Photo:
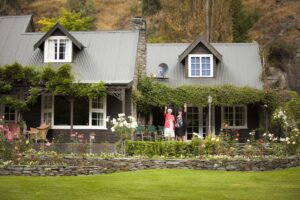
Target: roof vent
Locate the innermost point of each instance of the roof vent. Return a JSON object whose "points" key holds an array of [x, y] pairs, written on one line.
{"points": [[162, 70]]}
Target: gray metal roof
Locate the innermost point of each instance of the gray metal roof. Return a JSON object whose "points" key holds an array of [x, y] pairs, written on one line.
{"points": [[241, 65], [109, 56]]}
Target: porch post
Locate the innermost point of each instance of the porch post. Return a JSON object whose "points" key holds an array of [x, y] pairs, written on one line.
{"points": [[71, 114], [123, 100]]}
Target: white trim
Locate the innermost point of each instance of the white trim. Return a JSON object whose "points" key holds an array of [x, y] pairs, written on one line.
{"points": [[48, 56], [2, 113], [200, 56], [104, 110], [235, 127]]}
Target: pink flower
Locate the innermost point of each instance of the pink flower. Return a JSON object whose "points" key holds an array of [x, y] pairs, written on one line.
{"points": [[48, 144], [73, 135], [9, 136], [81, 140], [80, 136]]}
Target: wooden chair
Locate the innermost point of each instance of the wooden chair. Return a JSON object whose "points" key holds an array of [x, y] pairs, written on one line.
{"points": [[39, 133]]}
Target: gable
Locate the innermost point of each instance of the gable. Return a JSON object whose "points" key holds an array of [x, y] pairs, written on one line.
{"points": [[57, 30], [201, 46]]}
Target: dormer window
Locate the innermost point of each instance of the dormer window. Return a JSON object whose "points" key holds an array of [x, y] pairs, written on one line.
{"points": [[58, 49], [200, 65]]}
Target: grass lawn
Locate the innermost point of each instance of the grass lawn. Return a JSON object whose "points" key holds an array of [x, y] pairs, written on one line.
{"points": [[158, 184]]}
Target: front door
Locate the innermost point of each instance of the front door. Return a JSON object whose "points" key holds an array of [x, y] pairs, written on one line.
{"points": [[197, 121]]}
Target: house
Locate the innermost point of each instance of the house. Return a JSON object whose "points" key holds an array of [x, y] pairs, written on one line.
{"points": [[210, 64], [109, 56], [116, 57]]}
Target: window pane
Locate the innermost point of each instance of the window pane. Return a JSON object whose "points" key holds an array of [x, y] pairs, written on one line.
{"points": [[9, 113], [97, 103], [62, 49], [81, 112], [97, 119], [61, 111], [55, 49]]}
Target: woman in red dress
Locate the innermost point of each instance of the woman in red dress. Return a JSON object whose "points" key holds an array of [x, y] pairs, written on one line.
{"points": [[169, 132]]}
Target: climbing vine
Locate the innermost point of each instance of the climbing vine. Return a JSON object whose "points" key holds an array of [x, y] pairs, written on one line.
{"points": [[151, 93], [20, 85]]}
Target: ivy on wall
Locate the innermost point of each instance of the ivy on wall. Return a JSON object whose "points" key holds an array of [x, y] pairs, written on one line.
{"points": [[35, 81], [151, 93]]}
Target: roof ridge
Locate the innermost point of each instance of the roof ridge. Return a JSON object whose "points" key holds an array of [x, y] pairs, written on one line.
{"points": [[15, 16]]}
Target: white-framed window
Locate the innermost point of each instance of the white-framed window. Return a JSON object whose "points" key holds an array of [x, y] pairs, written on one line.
{"points": [[58, 49], [235, 116], [97, 112], [9, 113], [200, 65], [87, 114], [47, 109]]}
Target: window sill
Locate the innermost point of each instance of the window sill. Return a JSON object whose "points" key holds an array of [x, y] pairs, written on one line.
{"points": [[236, 127], [79, 127]]}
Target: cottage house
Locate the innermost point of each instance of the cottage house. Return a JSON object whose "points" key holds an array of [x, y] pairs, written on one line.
{"points": [[116, 57]]}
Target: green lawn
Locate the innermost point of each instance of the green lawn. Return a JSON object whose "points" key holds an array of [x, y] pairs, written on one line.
{"points": [[158, 184]]}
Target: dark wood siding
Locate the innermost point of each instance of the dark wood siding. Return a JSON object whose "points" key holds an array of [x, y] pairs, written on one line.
{"points": [[32, 117]]}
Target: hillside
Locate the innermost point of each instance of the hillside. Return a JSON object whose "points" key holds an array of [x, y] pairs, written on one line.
{"points": [[278, 23]]}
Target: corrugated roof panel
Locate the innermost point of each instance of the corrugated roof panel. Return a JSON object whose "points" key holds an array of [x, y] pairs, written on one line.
{"points": [[241, 65], [107, 55]]}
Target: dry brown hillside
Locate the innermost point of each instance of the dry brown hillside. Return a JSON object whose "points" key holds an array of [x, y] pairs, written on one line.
{"points": [[110, 14]]}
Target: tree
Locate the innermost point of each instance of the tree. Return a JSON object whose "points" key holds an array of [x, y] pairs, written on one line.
{"points": [[86, 8], [6, 6], [150, 7], [242, 21], [70, 20]]}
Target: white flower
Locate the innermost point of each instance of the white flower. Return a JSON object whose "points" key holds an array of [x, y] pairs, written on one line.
{"points": [[213, 139], [248, 140], [287, 139], [264, 134], [288, 142], [121, 115], [250, 133], [107, 118], [114, 121], [282, 139], [112, 129], [294, 142], [270, 135]]}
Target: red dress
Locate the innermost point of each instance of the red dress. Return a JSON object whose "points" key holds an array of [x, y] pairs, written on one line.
{"points": [[169, 121]]}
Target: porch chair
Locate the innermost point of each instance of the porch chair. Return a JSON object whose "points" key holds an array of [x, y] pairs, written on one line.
{"points": [[40, 132], [151, 131], [160, 132], [139, 132]]}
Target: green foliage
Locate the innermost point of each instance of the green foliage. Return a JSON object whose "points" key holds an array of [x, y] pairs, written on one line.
{"points": [[292, 108], [280, 50], [163, 148], [36, 81], [150, 7], [242, 21], [151, 93], [70, 20]]}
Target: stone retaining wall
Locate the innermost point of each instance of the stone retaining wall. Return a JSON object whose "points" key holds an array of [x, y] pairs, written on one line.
{"points": [[104, 166]]}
